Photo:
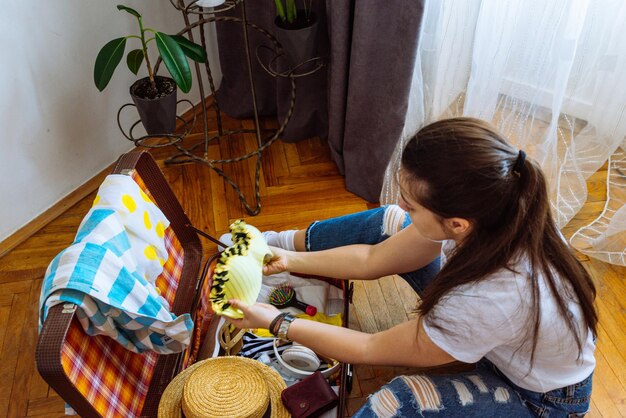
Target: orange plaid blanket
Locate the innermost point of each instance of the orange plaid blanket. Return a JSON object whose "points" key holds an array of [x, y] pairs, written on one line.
{"points": [[114, 380]]}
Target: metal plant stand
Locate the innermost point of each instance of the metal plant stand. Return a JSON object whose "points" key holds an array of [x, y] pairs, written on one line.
{"points": [[184, 155]]}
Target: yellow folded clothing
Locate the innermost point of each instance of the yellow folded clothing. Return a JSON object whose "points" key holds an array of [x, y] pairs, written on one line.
{"points": [[318, 317], [239, 270]]}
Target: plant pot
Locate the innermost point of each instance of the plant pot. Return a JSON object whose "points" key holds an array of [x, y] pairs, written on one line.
{"points": [[158, 114], [298, 39]]}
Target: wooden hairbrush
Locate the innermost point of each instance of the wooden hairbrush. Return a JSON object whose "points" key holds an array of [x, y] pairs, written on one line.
{"points": [[284, 296]]}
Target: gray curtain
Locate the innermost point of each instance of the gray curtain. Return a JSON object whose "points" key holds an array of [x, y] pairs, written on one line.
{"points": [[373, 49], [359, 103]]}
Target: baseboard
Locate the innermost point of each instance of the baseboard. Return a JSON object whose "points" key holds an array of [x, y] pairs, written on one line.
{"points": [[51, 214], [574, 106], [74, 197]]}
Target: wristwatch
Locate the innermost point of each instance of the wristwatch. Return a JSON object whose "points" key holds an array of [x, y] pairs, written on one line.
{"points": [[284, 327], [273, 328]]}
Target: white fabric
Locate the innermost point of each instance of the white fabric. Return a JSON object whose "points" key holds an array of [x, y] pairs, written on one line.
{"points": [[326, 298], [310, 291], [490, 319], [550, 76], [605, 238], [143, 222]]}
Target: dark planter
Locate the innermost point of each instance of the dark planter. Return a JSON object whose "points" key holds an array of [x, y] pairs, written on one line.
{"points": [[299, 39], [158, 114]]}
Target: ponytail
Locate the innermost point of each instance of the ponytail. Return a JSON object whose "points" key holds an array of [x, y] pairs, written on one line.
{"points": [[470, 171]]}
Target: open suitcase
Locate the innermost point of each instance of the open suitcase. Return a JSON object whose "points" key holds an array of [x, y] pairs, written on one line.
{"points": [[99, 378]]}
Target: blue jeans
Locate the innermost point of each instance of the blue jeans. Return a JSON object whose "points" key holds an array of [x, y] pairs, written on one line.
{"points": [[365, 228], [483, 392]]}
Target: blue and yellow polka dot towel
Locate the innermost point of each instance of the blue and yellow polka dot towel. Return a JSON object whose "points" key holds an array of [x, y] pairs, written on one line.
{"points": [[110, 270]]}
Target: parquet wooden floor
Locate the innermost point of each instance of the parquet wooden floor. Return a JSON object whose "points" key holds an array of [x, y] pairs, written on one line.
{"points": [[299, 184]]}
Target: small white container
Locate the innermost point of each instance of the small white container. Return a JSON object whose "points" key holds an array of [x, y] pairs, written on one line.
{"points": [[209, 3]]}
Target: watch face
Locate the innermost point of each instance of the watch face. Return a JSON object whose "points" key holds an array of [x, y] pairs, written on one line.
{"points": [[283, 328]]}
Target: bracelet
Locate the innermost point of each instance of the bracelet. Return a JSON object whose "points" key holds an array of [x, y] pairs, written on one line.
{"points": [[283, 328], [273, 328]]}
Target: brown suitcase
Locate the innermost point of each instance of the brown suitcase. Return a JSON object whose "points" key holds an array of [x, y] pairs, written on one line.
{"points": [[95, 375]]}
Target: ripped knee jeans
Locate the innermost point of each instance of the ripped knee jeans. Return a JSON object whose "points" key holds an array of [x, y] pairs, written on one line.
{"points": [[483, 392], [368, 227]]}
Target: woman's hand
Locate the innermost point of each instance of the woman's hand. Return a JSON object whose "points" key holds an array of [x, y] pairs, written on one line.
{"points": [[259, 315], [278, 263]]}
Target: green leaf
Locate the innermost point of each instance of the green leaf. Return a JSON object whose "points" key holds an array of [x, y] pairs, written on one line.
{"points": [[291, 11], [192, 50], [129, 10], [175, 60], [280, 10], [107, 61], [134, 60]]}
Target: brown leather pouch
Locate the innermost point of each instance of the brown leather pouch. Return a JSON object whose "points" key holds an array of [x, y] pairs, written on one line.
{"points": [[310, 397]]}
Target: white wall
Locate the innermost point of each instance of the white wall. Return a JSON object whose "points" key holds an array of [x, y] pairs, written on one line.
{"points": [[58, 130]]}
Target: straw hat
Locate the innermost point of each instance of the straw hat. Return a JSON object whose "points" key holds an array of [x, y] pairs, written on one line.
{"points": [[233, 387]]}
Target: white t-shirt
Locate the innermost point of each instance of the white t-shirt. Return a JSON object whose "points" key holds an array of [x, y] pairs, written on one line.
{"points": [[490, 319]]}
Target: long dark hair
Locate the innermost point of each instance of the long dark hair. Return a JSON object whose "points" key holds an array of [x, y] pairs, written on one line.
{"points": [[463, 167]]}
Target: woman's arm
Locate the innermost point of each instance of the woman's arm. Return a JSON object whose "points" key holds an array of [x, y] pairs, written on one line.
{"points": [[403, 345], [403, 252], [406, 344]]}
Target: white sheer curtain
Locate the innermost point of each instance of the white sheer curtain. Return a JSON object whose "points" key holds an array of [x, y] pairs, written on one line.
{"points": [[551, 75]]}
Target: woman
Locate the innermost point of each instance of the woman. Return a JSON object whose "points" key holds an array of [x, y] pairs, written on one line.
{"points": [[510, 296]]}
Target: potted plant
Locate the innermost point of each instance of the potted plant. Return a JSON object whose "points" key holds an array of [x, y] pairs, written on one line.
{"points": [[154, 96], [296, 30]]}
